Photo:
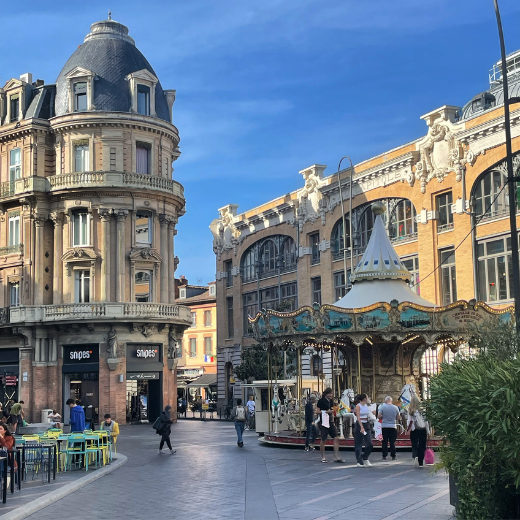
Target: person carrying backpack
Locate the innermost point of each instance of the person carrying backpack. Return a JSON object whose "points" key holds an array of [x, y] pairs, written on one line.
{"points": [[240, 414], [419, 429], [162, 426]]}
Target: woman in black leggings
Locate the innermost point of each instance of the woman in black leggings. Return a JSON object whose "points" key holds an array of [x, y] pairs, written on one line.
{"points": [[165, 430]]}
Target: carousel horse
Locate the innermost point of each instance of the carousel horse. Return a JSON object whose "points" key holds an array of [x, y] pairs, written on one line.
{"points": [[345, 412], [406, 396], [277, 407]]}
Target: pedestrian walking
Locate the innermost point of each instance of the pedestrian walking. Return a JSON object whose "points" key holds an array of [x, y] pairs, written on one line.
{"points": [[419, 429], [164, 429], [328, 428], [311, 430], [362, 432], [240, 414], [389, 415]]}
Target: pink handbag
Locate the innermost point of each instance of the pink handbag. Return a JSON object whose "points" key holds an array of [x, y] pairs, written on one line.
{"points": [[429, 457]]}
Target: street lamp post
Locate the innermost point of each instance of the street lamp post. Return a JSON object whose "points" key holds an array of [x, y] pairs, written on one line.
{"points": [[511, 179], [344, 222]]}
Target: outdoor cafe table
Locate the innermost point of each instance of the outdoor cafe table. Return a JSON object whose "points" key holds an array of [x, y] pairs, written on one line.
{"points": [[61, 439], [52, 450]]}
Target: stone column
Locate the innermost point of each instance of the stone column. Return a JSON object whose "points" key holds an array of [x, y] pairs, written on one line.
{"points": [[39, 222], [57, 270], [164, 221], [105, 216], [120, 255], [171, 262]]}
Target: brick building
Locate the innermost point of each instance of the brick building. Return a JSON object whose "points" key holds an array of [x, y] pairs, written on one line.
{"points": [[88, 209], [446, 213]]}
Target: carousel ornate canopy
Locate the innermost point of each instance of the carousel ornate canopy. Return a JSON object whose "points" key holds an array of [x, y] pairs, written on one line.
{"points": [[378, 332]]}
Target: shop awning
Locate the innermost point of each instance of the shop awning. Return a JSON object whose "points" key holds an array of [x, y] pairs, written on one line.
{"points": [[204, 381]]}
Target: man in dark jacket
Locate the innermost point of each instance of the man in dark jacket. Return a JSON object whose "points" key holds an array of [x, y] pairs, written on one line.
{"points": [[164, 430], [312, 431]]}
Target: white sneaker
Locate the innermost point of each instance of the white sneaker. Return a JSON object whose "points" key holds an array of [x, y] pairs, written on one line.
{"points": [[416, 462], [367, 463], [360, 465]]}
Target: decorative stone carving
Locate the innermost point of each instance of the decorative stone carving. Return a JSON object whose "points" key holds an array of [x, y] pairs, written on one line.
{"points": [[80, 254], [310, 205], [147, 330], [226, 236], [112, 359]]}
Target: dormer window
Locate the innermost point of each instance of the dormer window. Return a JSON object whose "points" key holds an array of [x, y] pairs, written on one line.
{"points": [[80, 96], [15, 108], [143, 100]]}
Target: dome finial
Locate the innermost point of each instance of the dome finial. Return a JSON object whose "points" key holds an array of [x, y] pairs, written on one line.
{"points": [[109, 14]]}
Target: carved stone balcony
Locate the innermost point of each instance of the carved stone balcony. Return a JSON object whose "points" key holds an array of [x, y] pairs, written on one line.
{"points": [[74, 312]]}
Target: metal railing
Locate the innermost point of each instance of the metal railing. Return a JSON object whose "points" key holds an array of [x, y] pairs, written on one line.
{"points": [[403, 238], [7, 189]]}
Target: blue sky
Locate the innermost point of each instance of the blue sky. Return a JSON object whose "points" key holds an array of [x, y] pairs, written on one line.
{"points": [[265, 89]]}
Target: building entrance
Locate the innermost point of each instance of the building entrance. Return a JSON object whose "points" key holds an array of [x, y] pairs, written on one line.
{"points": [[143, 400], [83, 387]]}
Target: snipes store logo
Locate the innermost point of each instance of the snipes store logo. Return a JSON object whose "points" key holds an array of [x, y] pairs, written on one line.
{"points": [[80, 354], [148, 353]]}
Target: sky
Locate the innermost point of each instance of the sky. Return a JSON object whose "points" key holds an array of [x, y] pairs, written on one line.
{"points": [[266, 89]]}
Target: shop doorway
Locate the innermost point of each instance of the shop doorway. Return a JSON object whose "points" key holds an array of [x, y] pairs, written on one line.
{"points": [[83, 387], [143, 400]]}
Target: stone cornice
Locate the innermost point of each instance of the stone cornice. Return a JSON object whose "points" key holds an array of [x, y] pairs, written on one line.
{"points": [[24, 127]]}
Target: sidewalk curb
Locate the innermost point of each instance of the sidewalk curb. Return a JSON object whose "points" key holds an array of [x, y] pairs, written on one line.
{"points": [[53, 496]]}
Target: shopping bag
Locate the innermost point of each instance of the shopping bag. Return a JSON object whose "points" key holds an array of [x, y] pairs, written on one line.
{"points": [[429, 457], [378, 431]]}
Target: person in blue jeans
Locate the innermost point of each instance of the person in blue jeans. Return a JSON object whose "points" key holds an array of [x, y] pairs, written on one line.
{"points": [[311, 430], [240, 414]]}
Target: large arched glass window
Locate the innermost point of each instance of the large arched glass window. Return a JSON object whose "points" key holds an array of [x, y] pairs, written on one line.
{"points": [[248, 265], [288, 254], [337, 238], [402, 221], [486, 190], [268, 256], [366, 224]]}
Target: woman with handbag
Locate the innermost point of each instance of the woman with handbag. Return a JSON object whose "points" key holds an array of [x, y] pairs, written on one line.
{"points": [[418, 429]]}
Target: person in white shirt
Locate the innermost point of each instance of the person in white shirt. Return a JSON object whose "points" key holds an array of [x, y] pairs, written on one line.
{"points": [[251, 405]]}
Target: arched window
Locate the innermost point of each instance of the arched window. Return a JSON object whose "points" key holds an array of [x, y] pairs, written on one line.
{"points": [[366, 224], [486, 190], [336, 238], [248, 265], [402, 221], [288, 254], [268, 257]]}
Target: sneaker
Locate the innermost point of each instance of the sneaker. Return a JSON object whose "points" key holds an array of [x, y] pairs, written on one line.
{"points": [[384, 459], [367, 463], [240, 444], [394, 459], [160, 451], [416, 462], [360, 465], [173, 452], [307, 448]]}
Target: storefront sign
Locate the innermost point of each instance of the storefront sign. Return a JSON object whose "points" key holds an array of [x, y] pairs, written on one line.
{"points": [[144, 375], [147, 353], [80, 354], [144, 353]]}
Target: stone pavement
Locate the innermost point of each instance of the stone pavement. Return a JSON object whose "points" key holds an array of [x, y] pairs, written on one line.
{"points": [[210, 478]]}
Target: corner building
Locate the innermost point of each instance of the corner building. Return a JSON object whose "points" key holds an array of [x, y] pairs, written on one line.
{"points": [[88, 209], [447, 214]]}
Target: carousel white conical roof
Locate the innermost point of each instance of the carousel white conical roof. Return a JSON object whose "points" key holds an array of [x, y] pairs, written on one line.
{"points": [[380, 276]]}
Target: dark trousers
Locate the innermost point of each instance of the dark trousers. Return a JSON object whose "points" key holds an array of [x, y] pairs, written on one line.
{"points": [[312, 433], [165, 438], [389, 435], [418, 439], [361, 439]]}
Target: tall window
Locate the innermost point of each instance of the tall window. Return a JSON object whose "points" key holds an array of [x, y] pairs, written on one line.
{"points": [[143, 227], [142, 157], [316, 290], [80, 228], [14, 294], [495, 270], [248, 266], [337, 239], [143, 286], [14, 229], [208, 347], [82, 286], [314, 243], [15, 108], [250, 308], [193, 347], [80, 96], [228, 268], [288, 254], [207, 318], [289, 296], [412, 264], [230, 322], [81, 158], [15, 164], [268, 257], [448, 276], [444, 203], [193, 319], [402, 221], [366, 224], [143, 100], [487, 190], [339, 284]]}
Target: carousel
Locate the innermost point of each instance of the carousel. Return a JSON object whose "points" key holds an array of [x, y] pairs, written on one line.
{"points": [[384, 340]]}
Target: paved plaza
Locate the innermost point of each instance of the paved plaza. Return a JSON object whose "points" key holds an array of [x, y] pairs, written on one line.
{"points": [[210, 478]]}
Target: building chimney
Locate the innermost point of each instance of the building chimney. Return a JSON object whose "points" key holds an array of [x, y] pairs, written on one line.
{"points": [[27, 77]]}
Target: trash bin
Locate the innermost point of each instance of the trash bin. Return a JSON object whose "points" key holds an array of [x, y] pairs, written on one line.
{"points": [[45, 414]]}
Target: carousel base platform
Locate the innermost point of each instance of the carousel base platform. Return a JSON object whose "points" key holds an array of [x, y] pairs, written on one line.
{"points": [[291, 439]]}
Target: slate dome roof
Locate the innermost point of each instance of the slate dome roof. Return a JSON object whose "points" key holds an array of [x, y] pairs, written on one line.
{"points": [[110, 53]]}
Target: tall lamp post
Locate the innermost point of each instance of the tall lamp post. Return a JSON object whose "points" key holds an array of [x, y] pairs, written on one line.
{"points": [[511, 179], [344, 222]]}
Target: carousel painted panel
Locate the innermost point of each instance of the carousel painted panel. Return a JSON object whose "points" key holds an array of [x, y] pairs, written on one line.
{"points": [[336, 320], [414, 319], [377, 319], [461, 315]]}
